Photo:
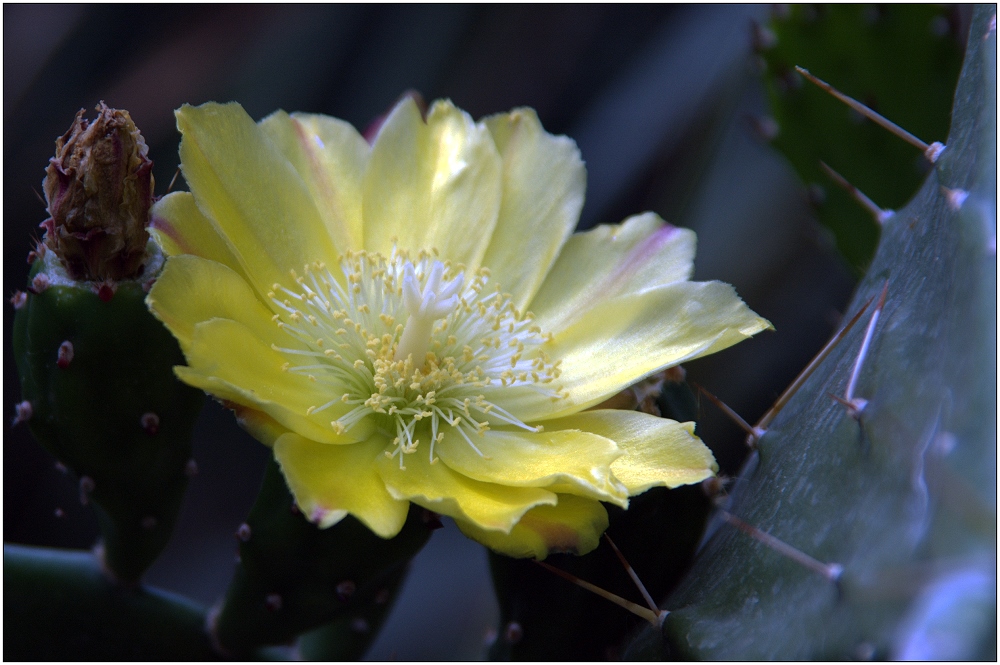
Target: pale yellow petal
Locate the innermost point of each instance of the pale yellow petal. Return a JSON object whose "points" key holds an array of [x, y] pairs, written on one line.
{"points": [[329, 482], [568, 461], [641, 253], [228, 360], [543, 187], [330, 156], [433, 184], [622, 340], [179, 227], [192, 289], [574, 526], [438, 488], [254, 196], [258, 424], [658, 451]]}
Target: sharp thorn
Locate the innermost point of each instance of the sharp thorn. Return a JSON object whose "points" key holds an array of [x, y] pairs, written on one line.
{"points": [[881, 215], [632, 574], [753, 433], [863, 352], [173, 180], [654, 618], [931, 152], [830, 571], [779, 404]]}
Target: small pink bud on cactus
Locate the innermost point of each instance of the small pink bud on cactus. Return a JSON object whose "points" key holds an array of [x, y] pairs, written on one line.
{"points": [[150, 422], [273, 602], [65, 354], [22, 412], [345, 590], [243, 533], [99, 188]]}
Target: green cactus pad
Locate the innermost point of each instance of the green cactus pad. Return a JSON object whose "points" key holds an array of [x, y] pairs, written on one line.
{"points": [[98, 375], [61, 607], [904, 497], [897, 59], [293, 577]]}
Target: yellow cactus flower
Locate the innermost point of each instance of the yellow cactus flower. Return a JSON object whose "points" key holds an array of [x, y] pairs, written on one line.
{"points": [[413, 320]]}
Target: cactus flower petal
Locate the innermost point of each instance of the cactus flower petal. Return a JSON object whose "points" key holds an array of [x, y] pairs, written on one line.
{"points": [[330, 156], [543, 187], [256, 199], [619, 340], [639, 254], [376, 298], [574, 525], [568, 461], [192, 289], [329, 482], [446, 184], [491, 506], [658, 452], [179, 227], [226, 359]]}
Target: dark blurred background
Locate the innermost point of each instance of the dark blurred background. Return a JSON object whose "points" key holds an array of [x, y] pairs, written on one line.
{"points": [[662, 100]]}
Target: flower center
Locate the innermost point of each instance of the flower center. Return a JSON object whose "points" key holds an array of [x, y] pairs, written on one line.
{"points": [[419, 345]]}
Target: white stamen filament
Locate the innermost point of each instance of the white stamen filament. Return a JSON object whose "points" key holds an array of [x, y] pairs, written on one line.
{"points": [[413, 344]]}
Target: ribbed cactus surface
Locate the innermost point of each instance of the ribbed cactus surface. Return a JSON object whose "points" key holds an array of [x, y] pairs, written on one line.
{"points": [[901, 496]]}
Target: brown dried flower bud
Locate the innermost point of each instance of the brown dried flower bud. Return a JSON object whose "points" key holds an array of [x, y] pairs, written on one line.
{"points": [[99, 188]]}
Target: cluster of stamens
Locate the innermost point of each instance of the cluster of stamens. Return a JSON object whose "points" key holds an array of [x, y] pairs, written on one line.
{"points": [[419, 345]]}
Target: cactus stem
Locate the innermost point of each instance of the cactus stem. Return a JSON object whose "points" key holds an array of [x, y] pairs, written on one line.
{"points": [[654, 618], [22, 413], [813, 364], [931, 152], [345, 590], [855, 406], [754, 434], [881, 215], [631, 573], [86, 487], [243, 533], [65, 354], [831, 571]]}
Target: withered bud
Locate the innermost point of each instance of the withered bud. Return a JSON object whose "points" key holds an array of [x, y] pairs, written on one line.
{"points": [[99, 188]]}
